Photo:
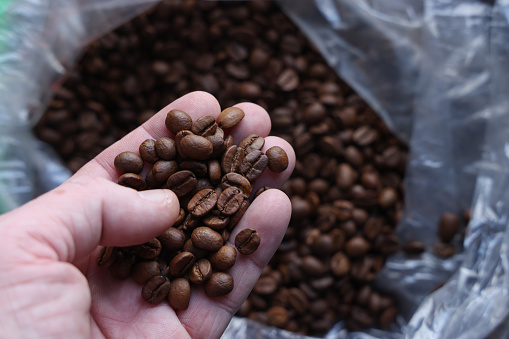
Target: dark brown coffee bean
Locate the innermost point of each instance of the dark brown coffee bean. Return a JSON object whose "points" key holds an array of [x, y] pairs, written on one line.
{"points": [[151, 182], [312, 266], [128, 162], [298, 300], [181, 263], [219, 284], [202, 202], [372, 228], [143, 271], [190, 223], [278, 316], [236, 180], [364, 136], [225, 233], [216, 220], [205, 126], [150, 249], [387, 197], [177, 121], [166, 148], [388, 317], [342, 209], [133, 181], [357, 246], [232, 159], [224, 258], [196, 147], [214, 171], [156, 289], [288, 80], [230, 200], [179, 294], [230, 117], [235, 218], [278, 159], [121, 267], [353, 156], [148, 151], [261, 190], [163, 169], [340, 264], [178, 141], [253, 165], [172, 239], [228, 141], [201, 272], [253, 142], [314, 113], [182, 182], [198, 252], [207, 239], [444, 250], [448, 226], [247, 241], [414, 247], [218, 143], [345, 176], [107, 256]]}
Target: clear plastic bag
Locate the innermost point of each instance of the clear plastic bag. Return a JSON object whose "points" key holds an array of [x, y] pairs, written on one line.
{"points": [[434, 70]]}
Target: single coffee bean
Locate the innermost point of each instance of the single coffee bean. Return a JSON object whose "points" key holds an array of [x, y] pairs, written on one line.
{"points": [[182, 182], [179, 294], [340, 264], [236, 180], [288, 80], [166, 148], [207, 239], [150, 249], [177, 121], [235, 218], [365, 135], [277, 159], [214, 171], [190, 223], [107, 256], [143, 271], [228, 141], [448, 226], [219, 284], [156, 289], [372, 228], [205, 126], [230, 200], [178, 141], [230, 117], [414, 247], [202, 202], [121, 267], [357, 246], [312, 266], [388, 317], [216, 220], [225, 233], [148, 151], [224, 258], [253, 165], [298, 300], [278, 316], [151, 182], [180, 218], [342, 209], [345, 176], [261, 190], [181, 263], [253, 142], [196, 147], [163, 169], [201, 272], [197, 252], [218, 143], [128, 162], [387, 197], [247, 241], [232, 159], [266, 285], [172, 239], [444, 250], [371, 179], [133, 181]]}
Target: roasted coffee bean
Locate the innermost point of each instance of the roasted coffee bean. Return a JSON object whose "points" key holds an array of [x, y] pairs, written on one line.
{"points": [[202, 203], [372, 228], [219, 284], [128, 162], [214, 171], [190, 223], [342, 209], [236, 180], [253, 142], [196, 147], [253, 165], [387, 197], [357, 246], [298, 300], [216, 220], [444, 250], [107, 256], [197, 252], [235, 218], [207, 239], [143, 271], [179, 294], [340, 264], [345, 176], [201, 272], [230, 200], [247, 241], [163, 169], [156, 289], [218, 143], [181, 263], [277, 159], [148, 151], [172, 239], [177, 121], [224, 258], [199, 168], [278, 316], [288, 80], [178, 140], [133, 181], [182, 182], [414, 247], [166, 148], [448, 226], [151, 182], [205, 126], [150, 249], [364, 136], [232, 159], [387, 317], [121, 267], [261, 190], [230, 117]]}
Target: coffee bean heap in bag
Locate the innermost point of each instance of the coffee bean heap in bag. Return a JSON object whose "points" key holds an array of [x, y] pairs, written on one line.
{"points": [[213, 179]]}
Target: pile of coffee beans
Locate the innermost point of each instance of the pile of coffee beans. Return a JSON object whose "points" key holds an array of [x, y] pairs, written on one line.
{"points": [[346, 190], [213, 179]]}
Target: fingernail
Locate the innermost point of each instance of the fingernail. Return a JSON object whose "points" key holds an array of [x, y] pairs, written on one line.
{"points": [[154, 195]]}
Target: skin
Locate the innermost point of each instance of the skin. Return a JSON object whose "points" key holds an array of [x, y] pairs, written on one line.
{"points": [[50, 283]]}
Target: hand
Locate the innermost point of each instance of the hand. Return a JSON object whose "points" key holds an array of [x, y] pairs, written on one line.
{"points": [[50, 285]]}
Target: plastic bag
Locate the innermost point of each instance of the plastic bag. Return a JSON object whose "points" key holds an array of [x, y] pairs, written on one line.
{"points": [[433, 69]]}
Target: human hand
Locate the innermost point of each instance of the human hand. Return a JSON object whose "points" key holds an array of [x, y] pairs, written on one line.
{"points": [[50, 285]]}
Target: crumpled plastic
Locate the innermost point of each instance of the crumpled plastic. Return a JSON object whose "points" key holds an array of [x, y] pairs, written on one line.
{"points": [[435, 70]]}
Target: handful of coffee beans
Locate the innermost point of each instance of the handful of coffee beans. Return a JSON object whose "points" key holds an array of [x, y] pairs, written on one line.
{"points": [[213, 179]]}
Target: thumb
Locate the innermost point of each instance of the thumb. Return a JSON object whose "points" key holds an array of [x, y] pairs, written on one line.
{"points": [[69, 222]]}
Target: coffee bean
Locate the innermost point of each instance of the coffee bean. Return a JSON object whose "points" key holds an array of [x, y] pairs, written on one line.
{"points": [[278, 316], [247, 241], [163, 169], [121, 267], [364, 136], [172, 239], [235, 218], [216, 220], [387, 317], [387, 197], [224, 258], [148, 151], [251, 143], [196, 147], [277, 159], [107, 256], [230, 117], [219, 284], [201, 272], [128, 162], [357, 246], [181, 263], [214, 171], [345, 176], [342, 209], [444, 250], [448, 226], [156, 289], [298, 300], [372, 228], [261, 190], [182, 182], [179, 294], [288, 80], [197, 252], [230, 200], [340, 264], [312, 266], [236, 180], [202, 203], [414, 247], [205, 126], [207, 239], [218, 143], [166, 148], [145, 270], [150, 249], [133, 181], [177, 121], [232, 159], [178, 141], [253, 165]]}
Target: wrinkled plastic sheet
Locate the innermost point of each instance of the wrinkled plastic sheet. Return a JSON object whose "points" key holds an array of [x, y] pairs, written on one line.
{"points": [[435, 70]]}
